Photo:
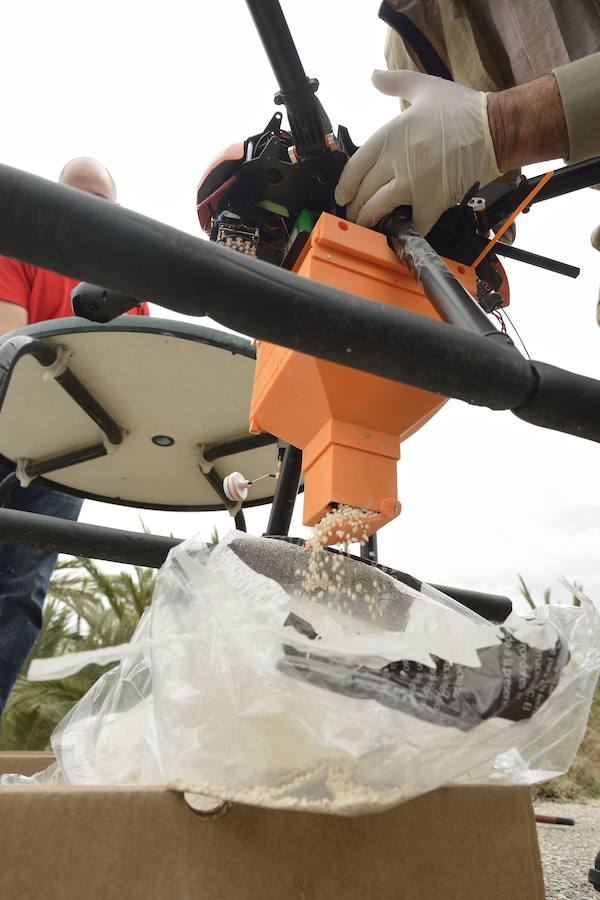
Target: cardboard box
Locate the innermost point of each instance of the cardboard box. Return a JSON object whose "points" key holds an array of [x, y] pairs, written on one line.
{"points": [[27, 762], [145, 843]]}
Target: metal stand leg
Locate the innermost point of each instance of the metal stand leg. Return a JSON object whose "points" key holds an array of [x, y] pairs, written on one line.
{"points": [[6, 486], [369, 550], [240, 521], [285, 492], [47, 466]]}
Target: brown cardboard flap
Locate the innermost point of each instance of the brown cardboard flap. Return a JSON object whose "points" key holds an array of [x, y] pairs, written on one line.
{"points": [[457, 843], [26, 762]]}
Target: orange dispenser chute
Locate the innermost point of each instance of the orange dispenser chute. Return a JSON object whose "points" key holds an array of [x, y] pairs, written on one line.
{"points": [[348, 424]]}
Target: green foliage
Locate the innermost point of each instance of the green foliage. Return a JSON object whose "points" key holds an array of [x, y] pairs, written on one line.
{"points": [[86, 608], [582, 781], [527, 596]]}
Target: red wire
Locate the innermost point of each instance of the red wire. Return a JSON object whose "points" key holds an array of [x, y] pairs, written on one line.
{"points": [[500, 318]]}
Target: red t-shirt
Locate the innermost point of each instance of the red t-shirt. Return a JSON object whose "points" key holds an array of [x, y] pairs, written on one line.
{"points": [[44, 294]]}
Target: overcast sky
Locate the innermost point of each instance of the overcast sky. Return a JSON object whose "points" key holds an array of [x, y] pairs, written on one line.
{"points": [[154, 91]]}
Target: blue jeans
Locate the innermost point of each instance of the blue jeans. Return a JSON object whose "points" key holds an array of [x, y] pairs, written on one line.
{"points": [[24, 577]]}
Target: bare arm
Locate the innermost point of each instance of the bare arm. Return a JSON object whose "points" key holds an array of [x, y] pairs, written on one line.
{"points": [[12, 316], [527, 124]]}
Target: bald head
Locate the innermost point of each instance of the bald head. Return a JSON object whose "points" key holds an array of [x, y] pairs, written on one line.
{"points": [[89, 175]]}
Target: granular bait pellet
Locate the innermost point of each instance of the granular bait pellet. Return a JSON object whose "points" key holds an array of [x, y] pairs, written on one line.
{"points": [[322, 579]]}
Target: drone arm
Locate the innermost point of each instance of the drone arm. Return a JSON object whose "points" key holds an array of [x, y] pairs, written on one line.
{"points": [[308, 121]]}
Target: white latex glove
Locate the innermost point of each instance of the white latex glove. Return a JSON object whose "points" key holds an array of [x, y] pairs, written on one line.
{"points": [[427, 157]]}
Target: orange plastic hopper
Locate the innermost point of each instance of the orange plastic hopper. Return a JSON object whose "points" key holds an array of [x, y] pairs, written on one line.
{"points": [[348, 424]]}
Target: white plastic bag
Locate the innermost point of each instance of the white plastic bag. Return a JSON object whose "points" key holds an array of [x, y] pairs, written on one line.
{"points": [[244, 691]]}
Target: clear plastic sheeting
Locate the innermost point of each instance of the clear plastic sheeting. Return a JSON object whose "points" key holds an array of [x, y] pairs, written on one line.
{"points": [[370, 694]]}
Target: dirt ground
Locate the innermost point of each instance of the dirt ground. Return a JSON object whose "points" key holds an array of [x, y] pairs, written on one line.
{"points": [[568, 852]]}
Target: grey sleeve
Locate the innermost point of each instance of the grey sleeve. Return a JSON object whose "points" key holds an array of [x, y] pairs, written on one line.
{"points": [[579, 86]]}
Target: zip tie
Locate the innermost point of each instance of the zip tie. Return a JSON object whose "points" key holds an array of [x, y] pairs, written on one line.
{"points": [[60, 364], [21, 472]]}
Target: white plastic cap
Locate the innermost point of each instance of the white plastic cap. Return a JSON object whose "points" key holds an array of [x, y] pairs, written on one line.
{"points": [[235, 487]]}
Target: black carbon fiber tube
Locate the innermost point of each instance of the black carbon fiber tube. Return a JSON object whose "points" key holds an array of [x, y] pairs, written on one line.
{"points": [[65, 460], [490, 606], [237, 445], [79, 539], [278, 43], [535, 259], [286, 492], [138, 549], [564, 401], [565, 180], [69, 231], [87, 238], [309, 122], [447, 295]]}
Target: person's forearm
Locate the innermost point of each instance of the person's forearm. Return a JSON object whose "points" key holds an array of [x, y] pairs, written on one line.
{"points": [[12, 316], [527, 124]]}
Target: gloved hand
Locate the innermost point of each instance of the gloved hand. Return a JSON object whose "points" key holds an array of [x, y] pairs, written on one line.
{"points": [[427, 157]]}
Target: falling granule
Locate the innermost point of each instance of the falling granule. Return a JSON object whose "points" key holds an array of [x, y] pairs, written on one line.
{"points": [[322, 576]]}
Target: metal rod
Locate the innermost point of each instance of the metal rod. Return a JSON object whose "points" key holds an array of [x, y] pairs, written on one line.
{"points": [[239, 444], [308, 121], [9, 482], [503, 198], [495, 607], [566, 180], [554, 820], [11, 351], [65, 460], [285, 492], [491, 606], [74, 233], [46, 355], [216, 484], [79, 539], [368, 550], [278, 43], [534, 259], [138, 549], [240, 521], [82, 397]]}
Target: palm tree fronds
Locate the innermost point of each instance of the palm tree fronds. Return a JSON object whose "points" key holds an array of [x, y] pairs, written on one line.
{"points": [[85, 608]]}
